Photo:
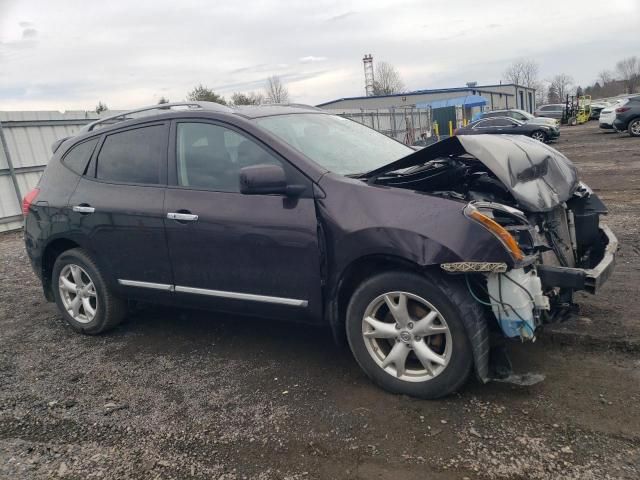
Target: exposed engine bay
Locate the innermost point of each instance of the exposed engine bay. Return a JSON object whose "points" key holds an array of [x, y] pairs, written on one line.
{"points": [[532, 191]]}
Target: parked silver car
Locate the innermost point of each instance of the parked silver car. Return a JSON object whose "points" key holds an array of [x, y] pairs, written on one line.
{"points": [[552, 110], [522, 116]]}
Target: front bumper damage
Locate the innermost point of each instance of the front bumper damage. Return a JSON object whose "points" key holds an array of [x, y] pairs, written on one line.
{"points": [[588, 279], [520, 297]]}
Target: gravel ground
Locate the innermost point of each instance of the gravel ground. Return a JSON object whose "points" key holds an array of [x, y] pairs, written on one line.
{"points": [[185, 394]]}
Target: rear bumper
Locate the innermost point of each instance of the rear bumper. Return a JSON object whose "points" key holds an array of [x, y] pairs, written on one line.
{"points": [[620, 125], [588, 279]]}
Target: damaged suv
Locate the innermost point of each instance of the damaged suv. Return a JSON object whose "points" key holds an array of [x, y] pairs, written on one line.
{"points": [[424, 261]]}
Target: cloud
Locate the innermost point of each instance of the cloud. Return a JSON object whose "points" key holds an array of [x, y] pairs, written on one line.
{"points": [[311, 59], [341, 16], [29, 33], [132, 53], [261, 68]]}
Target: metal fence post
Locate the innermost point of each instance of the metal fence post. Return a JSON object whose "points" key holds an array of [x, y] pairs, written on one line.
{"points": [[12, 172]]}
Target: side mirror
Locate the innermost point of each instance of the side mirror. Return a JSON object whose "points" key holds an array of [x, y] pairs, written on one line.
{"points": [[267, 179], [262, 179]]}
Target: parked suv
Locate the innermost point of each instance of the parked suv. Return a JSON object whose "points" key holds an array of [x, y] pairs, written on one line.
{"points": [[628, 117], [425, 261], [553, 110]]}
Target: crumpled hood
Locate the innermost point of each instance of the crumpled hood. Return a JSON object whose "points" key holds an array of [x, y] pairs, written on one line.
{"points": [[538, 176]]}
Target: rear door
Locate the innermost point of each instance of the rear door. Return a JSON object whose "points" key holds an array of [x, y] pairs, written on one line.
{"points": [[118, 207], [251, 254], [504, 125], [484, 126]]}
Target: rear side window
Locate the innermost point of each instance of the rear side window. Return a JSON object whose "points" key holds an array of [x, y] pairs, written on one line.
{"points": [[78, 156], [483, 124], [502, 122], [133, 156]]}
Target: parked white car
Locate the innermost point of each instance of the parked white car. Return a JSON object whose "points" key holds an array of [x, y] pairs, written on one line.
{"points": [[608, 115]]}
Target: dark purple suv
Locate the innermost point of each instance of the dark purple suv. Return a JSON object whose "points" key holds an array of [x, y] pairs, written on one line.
{"points": [[425, 261]]}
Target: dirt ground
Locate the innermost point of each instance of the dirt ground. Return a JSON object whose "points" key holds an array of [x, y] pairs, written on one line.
{"points": [[183, 394]]}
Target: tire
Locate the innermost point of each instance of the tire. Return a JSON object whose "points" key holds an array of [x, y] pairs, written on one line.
{"points": [[96, 308], [634, 127], [445, 300], [539, 135]]}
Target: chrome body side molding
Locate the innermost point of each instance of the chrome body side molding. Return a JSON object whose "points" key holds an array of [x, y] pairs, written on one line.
{"points": [[251, 297], [155, 286]]}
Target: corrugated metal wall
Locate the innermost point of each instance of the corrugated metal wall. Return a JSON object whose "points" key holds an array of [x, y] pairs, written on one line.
{"points": [[25, 149]]}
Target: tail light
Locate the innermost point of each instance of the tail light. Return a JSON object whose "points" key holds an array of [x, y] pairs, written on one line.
{"points": [[622, 109], [28, 199]]}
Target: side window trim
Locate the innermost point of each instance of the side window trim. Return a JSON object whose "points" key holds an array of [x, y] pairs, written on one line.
{"points": [[172, 174], [162, 174]]}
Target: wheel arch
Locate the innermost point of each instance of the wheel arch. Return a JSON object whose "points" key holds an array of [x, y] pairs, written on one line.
{"points": [[49, 255], [475, 321], [354, 274]]}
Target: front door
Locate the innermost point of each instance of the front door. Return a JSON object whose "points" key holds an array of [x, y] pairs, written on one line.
{"points": [[251, 254], [118, 207]]}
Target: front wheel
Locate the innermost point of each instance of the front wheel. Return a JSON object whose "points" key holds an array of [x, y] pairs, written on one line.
{"points": [[634, 127], [539, 135], [406, 333]]}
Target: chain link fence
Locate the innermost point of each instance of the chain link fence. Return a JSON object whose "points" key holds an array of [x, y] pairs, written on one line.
{"points": [[405, 124]]}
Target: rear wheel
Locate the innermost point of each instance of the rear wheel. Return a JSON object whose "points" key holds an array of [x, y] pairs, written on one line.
{"points": [[83, 297], [407, 335], [634, 127], [539, 135]]}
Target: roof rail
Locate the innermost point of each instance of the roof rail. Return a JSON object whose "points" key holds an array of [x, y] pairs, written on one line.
{"points": [[293, 105], [121, 117]]}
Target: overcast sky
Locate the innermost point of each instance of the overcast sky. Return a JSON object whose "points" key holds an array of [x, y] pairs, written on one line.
{"points": [[68, 55]]}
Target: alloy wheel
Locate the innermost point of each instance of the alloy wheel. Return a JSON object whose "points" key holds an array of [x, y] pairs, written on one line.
{"points": [[78, 293], [407, 336], [635, 127], [538, 136]]}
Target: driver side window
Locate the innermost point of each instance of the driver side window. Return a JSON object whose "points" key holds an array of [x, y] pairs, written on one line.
{"points": [[210, 156]]}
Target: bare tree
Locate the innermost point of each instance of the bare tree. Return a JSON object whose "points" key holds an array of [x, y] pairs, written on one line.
{"points": [[276, 91], [387, 80], [250, 98], [629, 71], [541, 93], [605, 76], [523, 72], [561, 86]]}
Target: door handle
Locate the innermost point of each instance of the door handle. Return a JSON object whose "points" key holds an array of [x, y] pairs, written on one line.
{"points": [[83, 209], [182, 217]]}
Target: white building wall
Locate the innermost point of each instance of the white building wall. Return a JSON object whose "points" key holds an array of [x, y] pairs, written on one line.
{"points": [[497, 96]]}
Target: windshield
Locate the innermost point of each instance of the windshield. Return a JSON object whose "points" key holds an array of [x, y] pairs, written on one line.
{"points": [[337, 144], [523, 115]]}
